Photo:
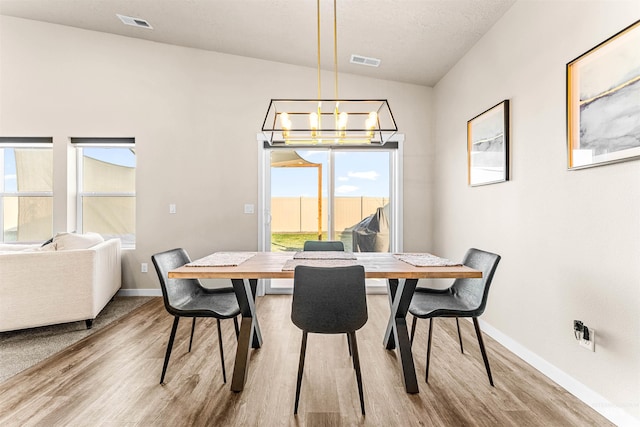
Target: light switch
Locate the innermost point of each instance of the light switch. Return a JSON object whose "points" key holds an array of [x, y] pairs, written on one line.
{"points": [[248, 208], [172, 208]]}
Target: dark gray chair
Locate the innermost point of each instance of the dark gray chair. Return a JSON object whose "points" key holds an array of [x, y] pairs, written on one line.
{"points": [[329, 300], [465, 298], [188, 298], [323, 245], [327, 246]]}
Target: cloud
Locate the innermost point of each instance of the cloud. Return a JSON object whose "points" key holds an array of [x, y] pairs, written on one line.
{"points": [[342, 189], [343, 178], [370, 175]]}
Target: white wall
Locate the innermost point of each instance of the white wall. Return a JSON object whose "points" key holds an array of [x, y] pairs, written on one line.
{"points": [[570, 240], [194, 115]]}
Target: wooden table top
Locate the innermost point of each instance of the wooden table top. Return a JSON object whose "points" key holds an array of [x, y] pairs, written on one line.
{"points": [[268, 265]]}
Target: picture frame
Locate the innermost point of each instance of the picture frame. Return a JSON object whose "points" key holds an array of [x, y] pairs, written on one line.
{"points": [[603, 102], [488, 146]]}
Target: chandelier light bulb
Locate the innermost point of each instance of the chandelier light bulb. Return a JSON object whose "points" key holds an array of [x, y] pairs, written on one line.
{"points": [[313, 123], [342, 121], [371, 121], [286, 124]]}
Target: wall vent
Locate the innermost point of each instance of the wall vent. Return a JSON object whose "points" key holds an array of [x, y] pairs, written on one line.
{"points": [[136, 22], [363, 60]]}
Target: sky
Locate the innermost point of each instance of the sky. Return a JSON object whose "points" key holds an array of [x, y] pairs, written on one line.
{"points": [[357, 174]]}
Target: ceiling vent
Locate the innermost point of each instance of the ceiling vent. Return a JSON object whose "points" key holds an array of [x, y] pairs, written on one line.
{"points": [[135, 22], [363, 60]]}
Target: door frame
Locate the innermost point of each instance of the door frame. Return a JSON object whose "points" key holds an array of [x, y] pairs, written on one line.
{"points": [[264, 198]]}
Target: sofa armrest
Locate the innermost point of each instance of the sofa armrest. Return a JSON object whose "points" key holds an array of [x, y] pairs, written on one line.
{"points": [[107, 272]]}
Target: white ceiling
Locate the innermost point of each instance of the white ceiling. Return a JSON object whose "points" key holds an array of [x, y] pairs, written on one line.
{"points": [[418, 41]]}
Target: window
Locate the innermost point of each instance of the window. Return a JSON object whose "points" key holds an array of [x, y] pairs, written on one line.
{"points": [[107, 187], [26, 189]]}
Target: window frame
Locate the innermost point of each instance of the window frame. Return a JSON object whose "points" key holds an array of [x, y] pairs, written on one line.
{"points": [[80, 144]]}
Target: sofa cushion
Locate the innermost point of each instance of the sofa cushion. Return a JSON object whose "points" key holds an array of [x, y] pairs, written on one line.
{"points": [[69, 241]]}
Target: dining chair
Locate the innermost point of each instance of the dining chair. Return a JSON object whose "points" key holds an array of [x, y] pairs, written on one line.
{"points": [[188, 298], [323, 245], [329, 300], [328, 246], [464, 298]]}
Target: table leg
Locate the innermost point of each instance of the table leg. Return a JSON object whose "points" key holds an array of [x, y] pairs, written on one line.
{"points": [[257, 337], [249, 331], [389, 341], [397, 331]]}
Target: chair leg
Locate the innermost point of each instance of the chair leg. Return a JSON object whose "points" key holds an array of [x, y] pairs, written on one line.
{"points": [[224, 372], [356, 366], [169, 347], [426, 376], [235, 325], [482, 350], [303, 351], [193, 328], [413, 329], [349, 344], [459, 335]]}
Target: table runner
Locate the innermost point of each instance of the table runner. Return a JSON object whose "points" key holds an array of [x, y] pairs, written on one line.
{"points": [[324, 255], [425, 260], [291, 264], [222, 259]]}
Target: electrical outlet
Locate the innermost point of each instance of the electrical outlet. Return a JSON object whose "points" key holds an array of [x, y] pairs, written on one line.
{"points": [[144, 268], [589, 344]]}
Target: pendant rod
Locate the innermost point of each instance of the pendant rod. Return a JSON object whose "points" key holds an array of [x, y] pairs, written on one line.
{"points": [[319, 79], [335, 46]]}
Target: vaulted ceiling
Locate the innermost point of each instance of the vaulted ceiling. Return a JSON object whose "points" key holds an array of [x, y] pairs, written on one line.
{"points": [[417, 41]]}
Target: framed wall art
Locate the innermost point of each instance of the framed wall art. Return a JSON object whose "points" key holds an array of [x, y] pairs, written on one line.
{"points": [[603, 102], [488, 146]]}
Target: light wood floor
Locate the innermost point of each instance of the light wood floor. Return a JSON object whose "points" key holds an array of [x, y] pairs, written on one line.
{"points": [[111, 379]]}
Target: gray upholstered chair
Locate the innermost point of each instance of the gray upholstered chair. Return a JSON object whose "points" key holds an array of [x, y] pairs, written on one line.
{"points": [[329, 300], [188, 298], [323, 245], [327, 246], [465, 298]]}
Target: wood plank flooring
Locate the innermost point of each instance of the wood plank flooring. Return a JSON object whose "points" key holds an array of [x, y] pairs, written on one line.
{"points": [[111, 379]]}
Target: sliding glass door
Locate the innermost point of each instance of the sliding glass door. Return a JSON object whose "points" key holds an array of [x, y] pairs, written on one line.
{"points": [[346, 194]]}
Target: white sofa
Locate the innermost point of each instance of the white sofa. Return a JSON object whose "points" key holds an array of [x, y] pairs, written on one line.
{"points": [[40, 286]]}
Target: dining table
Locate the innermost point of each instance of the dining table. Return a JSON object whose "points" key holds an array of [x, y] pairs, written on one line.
{"points": [[245, 268]]}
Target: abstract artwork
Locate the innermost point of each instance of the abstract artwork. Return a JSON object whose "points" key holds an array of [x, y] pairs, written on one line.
{"points": [[603, 102], [488, 146]]}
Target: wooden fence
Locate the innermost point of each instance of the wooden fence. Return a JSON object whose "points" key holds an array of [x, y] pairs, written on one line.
{"points": [[300, 214]]}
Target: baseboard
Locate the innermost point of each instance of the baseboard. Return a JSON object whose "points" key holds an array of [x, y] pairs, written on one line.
{"points": [[139, 293], [613, 413]]}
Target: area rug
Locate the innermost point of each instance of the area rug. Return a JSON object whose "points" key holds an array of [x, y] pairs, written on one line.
{"points": [[22, 349]]}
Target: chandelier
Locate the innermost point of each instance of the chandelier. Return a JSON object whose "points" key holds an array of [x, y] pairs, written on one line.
{"points": [[328, 121]]}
